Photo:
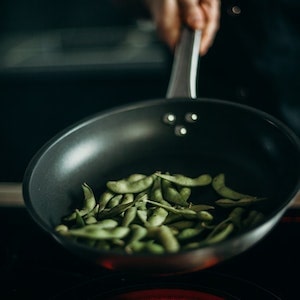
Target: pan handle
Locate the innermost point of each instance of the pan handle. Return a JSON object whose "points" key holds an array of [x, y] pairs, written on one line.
{"points": [[184, 70]]}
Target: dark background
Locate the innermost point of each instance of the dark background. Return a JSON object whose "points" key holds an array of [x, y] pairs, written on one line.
{"points": [[61, 61]]}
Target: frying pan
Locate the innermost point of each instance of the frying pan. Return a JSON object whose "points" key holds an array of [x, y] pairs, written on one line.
{"points": [[257, 152]]}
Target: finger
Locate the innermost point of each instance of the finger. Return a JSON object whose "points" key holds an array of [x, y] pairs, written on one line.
{"points": [[191, 13], [166, 17], [211, 10]]}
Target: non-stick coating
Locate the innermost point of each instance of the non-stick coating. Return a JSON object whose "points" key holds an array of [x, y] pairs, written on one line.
{"points": [[258, 154]]}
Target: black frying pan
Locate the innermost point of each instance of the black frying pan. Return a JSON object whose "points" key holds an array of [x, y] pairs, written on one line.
{"points": [[258, 154]]}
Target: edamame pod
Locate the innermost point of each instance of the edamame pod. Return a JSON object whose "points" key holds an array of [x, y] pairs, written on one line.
{"points": [[104, 199], [127, 198], [73, 215], [135, 247], [171, 194], [189, 233], [167, 239], [218, 183], [221, 235], [124, 186], [137, 233], [142, 215], [154, 248], [135, 177], [129, 216], [182, 224], [115, 211], [114, 201], [200, 207], [179, 211], [102, 245], [236, 216], [79, 220], [202, 180], [89, 198], [106, 223], [185, 192], [205, 216], [253, 218], [156, 192], [99, 233], [240, 202], [152, 214], [158, 216], [61, 228], [90, 220]]}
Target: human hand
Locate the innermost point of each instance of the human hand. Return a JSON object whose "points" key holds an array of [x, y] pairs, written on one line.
{"points": [[170, 15]]}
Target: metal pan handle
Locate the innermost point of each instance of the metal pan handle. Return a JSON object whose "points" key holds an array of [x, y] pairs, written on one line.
{"points": [[184, 70]]}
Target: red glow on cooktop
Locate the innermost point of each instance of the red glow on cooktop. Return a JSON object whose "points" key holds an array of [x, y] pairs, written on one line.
{"points": [[166, 294]]}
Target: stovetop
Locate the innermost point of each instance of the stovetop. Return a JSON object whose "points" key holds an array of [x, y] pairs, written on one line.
{"points": [[34, 266]]}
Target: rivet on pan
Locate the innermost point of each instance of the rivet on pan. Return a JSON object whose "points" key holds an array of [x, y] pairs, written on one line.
{"points": [[180, 130], [191, 117], [169, 118]]}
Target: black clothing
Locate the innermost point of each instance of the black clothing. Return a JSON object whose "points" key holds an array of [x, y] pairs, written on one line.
{"points": [[255, 58]]}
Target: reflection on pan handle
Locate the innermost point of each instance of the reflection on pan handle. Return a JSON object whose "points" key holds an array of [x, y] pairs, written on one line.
{"points": [[184, 70]]}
